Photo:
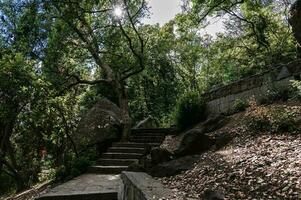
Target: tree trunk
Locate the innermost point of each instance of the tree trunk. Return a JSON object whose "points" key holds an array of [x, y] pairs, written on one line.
{"points": [[123, 101], [295, 22]]}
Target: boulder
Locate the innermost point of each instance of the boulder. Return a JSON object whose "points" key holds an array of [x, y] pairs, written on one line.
{"points": [[159, 155], [194, 141], [174, 167], [213, 195], [146, 162], [135, 167], [222, 139], [284, 73], [213, 123], [100, 123], [149, 122]]}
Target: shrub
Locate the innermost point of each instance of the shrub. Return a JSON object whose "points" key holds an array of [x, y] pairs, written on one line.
{"points": [[240, 105], [79, 166], [297, 89], [278, 93], [283, 120], [256, 117], [273, 119], [190, 109], [76, 166]]}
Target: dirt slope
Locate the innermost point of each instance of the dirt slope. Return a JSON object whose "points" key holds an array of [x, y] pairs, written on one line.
{"points": [[252, 166]]}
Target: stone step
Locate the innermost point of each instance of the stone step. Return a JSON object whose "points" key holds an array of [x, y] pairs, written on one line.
{"points": [[137, 140], [147, 134], [98, 169], [116, 162], [82, 196], [126, 150], [86, 187], [152, 130], [122, 155], [134, 145], [147, 137]]}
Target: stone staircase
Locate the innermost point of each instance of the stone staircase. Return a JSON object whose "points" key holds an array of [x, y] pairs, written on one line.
{"points": [[122, 154], [102, 181]]}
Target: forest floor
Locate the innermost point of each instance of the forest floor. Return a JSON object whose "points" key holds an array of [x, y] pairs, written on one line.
{"points": [[252, 166]]}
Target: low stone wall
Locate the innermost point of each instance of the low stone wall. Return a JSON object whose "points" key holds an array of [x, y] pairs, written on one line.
{"points": [[141, 186], [222, 99]]}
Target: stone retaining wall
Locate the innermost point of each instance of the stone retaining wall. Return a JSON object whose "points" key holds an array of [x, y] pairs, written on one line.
{"points": [[222, 99], [141, 186]]}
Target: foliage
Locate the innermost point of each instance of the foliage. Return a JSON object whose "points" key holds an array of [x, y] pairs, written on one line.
{"points": [[276, 93], [76, 165], [154, 92], [51, 50], [240, 105], [279, 93], [297, 86], [271, 119], [190, 109], [250, 44]]}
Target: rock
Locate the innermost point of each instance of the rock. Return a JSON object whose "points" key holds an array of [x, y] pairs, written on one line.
{"points": [[135, 167], [213, 124], [159, 155], [213, 195], [194, 141], [149, 122], [174, 167], [284, 73], [101, 122], [222, 139], [146, 162]]}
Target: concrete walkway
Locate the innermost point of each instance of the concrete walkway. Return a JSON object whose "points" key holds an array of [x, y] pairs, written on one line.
{"points": [[102, 180], [86, 186]]}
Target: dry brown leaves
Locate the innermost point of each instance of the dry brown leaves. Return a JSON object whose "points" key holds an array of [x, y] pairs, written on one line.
{"points": [[253, 166]]}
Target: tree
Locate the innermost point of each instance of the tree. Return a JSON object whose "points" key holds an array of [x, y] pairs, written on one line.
{"points": [[30, 114], [295, 21], [95, 27]]}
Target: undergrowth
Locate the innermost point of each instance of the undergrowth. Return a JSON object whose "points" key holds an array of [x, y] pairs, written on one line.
{"points": [[272, 119]]}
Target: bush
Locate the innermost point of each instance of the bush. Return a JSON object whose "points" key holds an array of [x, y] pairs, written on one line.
{"points": [[240, 105], [273, 94], [283, 120], [297, 89], [7, 185], [256, 117], [278, 93], [274, 119], [76, 166], [190, 109]]}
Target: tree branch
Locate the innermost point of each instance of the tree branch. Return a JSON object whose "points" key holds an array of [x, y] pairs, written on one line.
{"points": [[139, 56], [92, 46]]}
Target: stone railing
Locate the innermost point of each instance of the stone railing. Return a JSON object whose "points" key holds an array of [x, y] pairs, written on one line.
{"points": [[138, 185], [222, 99]]}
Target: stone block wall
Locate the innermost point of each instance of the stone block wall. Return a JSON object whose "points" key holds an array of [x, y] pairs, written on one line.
{"points": [[222, 99]]}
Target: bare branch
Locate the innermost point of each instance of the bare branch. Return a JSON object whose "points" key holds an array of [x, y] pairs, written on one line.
{"points": [[211, 9], [253, 27], [92, 46], [79, 81], [139, 56]]}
